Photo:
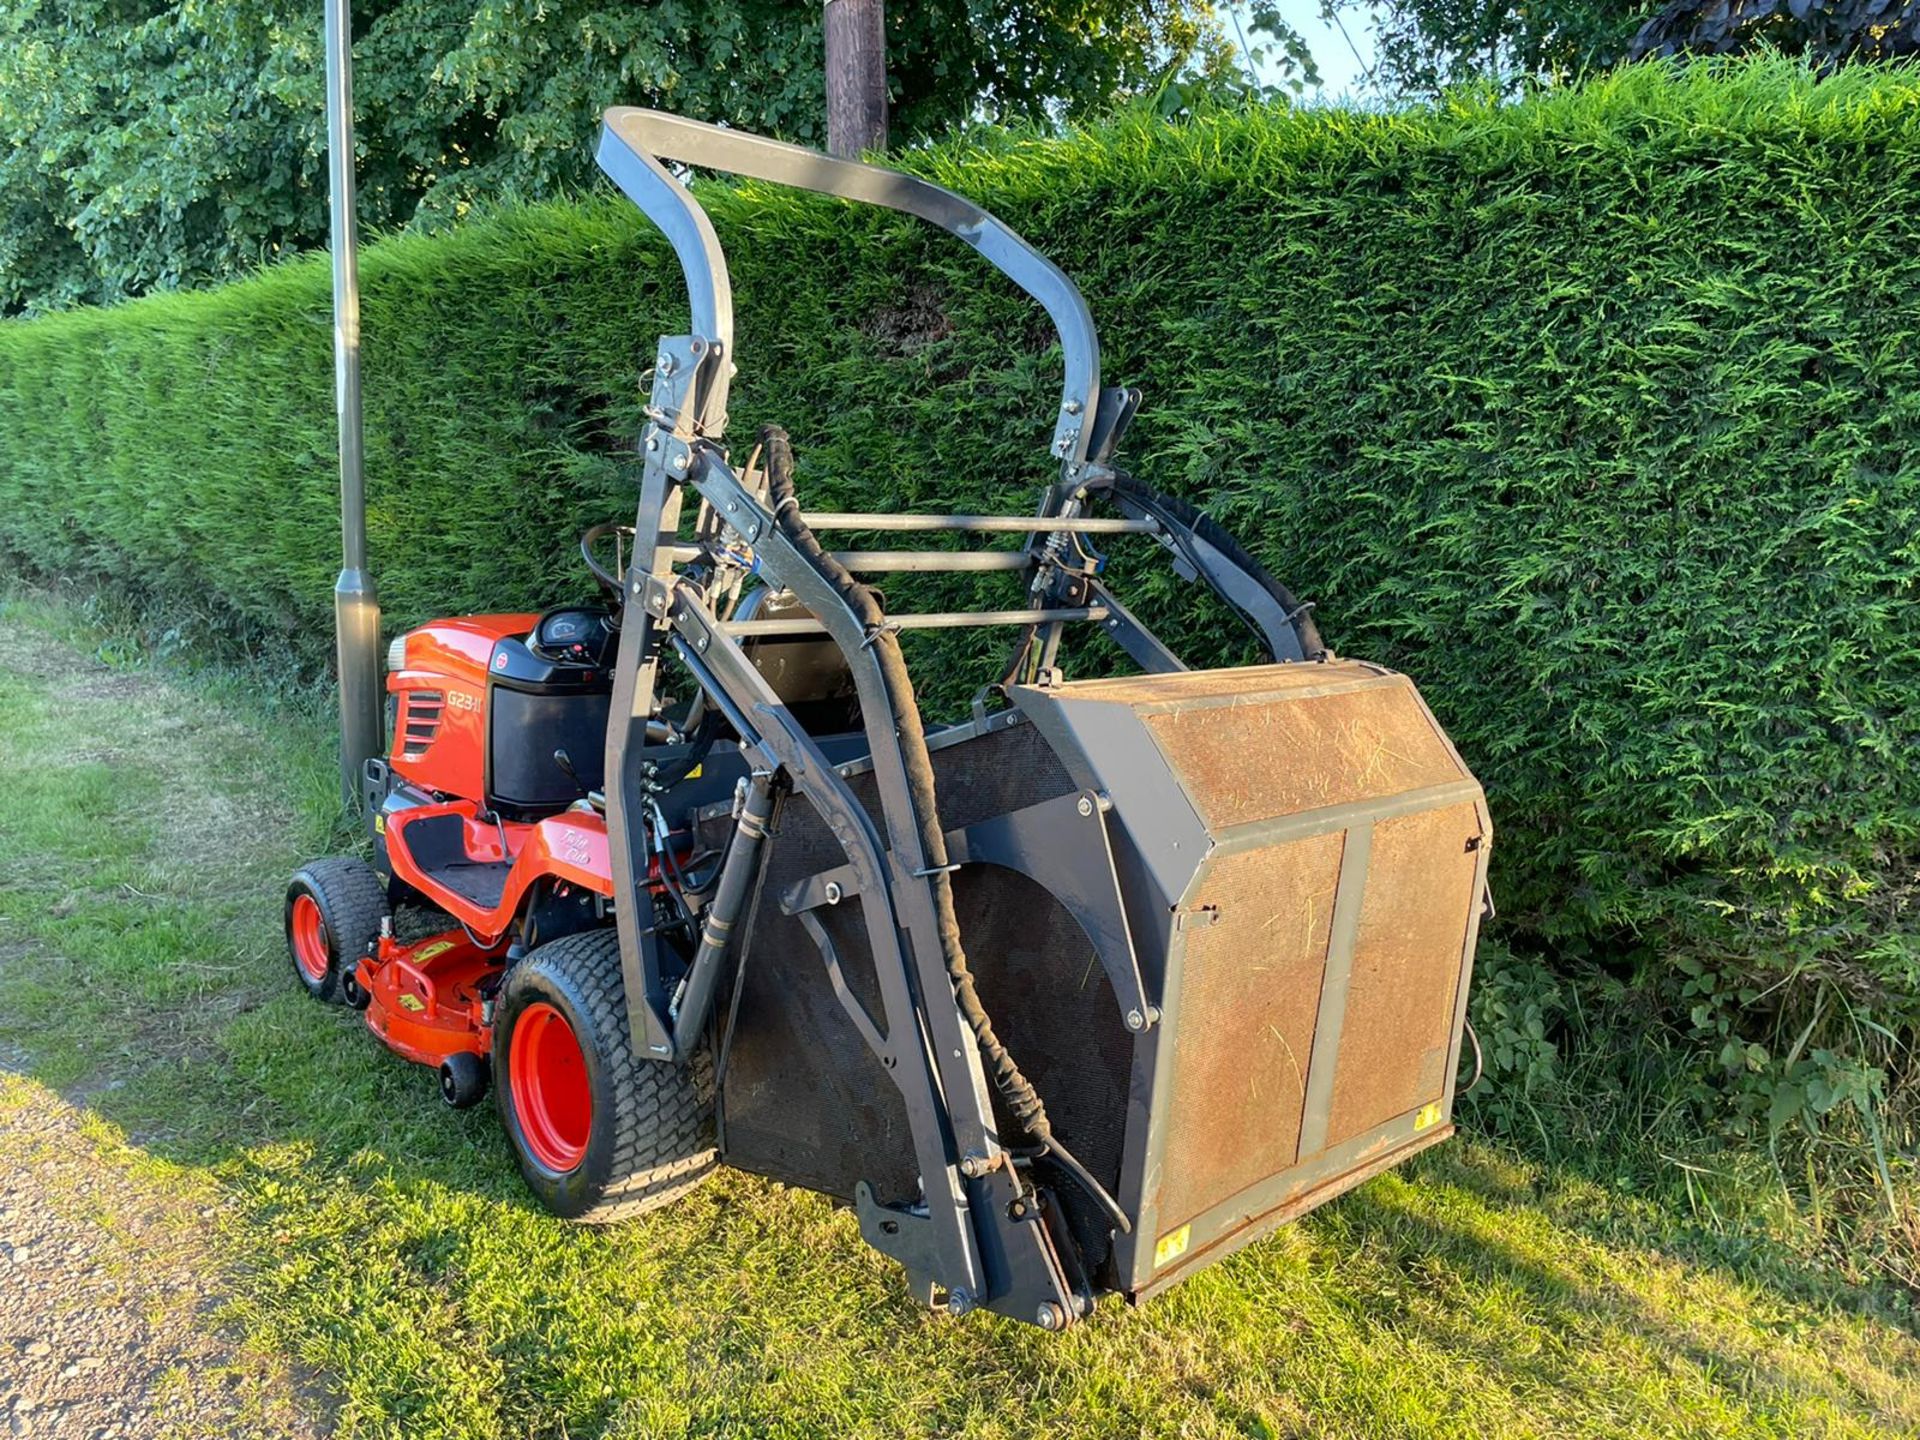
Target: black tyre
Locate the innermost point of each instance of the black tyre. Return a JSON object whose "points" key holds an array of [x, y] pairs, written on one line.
{"points": [[601, 1134], [463, 1080], [333, 914]]}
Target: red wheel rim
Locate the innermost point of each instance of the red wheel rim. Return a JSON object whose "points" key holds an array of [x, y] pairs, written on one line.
{"points": [[307, 933], [548, 1075]]}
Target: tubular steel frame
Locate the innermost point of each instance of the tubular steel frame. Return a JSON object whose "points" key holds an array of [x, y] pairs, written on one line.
{"points": [[964, 1240]]}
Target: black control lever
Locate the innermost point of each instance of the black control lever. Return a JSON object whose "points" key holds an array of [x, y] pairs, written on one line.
{"points": [[565, 762]]}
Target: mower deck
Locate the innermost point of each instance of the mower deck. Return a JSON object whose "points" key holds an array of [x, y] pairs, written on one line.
{"points": [[432, 998]]}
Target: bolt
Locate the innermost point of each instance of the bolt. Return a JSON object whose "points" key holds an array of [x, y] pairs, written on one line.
{"points": [[666, 363], [637, 587], [973, 1164], [959, 1302], [653, 443], [680, 461], [1051, 1316], [703, 642], [1072, 407], [1135, 1020], [834, 892], [1086, 805], [732, 505]]}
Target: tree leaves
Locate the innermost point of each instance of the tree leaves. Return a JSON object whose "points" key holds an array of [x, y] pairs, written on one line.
{"points": [[153, 144]]}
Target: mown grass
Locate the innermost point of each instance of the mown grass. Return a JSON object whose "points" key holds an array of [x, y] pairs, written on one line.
{"points": [[386, 1243]]}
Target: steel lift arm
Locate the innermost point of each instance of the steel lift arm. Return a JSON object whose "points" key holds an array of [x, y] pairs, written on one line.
{"points": [[974, 1238]]}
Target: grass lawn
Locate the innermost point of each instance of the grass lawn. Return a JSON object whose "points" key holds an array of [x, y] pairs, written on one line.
{"points": [[384, 1243]]}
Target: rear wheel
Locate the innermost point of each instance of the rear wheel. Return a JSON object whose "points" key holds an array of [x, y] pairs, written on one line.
{"points": [[333, 914], [600, 1134]]}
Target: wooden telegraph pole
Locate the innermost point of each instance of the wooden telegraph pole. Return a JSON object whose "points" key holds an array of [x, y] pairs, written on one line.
{"points": [[856, 76]]}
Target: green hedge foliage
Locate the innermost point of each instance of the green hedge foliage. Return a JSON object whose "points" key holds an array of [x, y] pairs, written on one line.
{"points": [[1597, 414]]}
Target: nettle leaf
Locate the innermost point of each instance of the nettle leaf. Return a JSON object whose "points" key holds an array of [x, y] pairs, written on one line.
{"points": [[1785, 1106]]}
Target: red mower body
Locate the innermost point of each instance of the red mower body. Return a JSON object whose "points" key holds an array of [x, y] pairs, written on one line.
{"points": [[439, 696], [446, 829], [569, 849], [446, 834]]}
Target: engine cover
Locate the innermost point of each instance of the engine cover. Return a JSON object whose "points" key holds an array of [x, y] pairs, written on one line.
{"points": [[438, 693]]}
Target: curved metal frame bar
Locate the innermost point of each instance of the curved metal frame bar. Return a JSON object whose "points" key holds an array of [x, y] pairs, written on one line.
{"points": [[634, 142]]}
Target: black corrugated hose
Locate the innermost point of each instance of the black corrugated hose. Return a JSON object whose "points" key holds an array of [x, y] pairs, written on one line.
{"points": [[1021, 1098], [1173, 508]]}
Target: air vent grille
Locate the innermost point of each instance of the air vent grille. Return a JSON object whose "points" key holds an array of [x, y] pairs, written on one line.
{"points": [[420, 721]]}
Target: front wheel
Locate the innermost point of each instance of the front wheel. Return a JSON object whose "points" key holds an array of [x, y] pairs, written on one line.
{"points": [[333, 914], [600, 1133]]}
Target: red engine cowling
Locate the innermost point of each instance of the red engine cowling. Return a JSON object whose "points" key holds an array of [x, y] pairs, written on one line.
{"points": [[439, 690]]}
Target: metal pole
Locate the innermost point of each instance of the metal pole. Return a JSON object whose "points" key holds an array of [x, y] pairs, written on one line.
{"points": [[356, 609]]}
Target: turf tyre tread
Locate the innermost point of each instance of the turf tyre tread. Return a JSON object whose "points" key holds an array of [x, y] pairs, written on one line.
{"points": [[353, 902], [659, 1142]]}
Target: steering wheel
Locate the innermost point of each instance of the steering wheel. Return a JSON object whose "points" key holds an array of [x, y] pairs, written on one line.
{"points": [[609, 581]]}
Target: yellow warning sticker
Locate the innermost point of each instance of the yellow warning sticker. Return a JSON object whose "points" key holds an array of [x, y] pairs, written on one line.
{"points": [[379, 824], [1172, 1245], [1428, 1117], [413, 1003], [694, 773], [427, 952]]}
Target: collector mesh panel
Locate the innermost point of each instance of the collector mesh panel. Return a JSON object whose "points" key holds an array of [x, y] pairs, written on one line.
{"points": [[1053, 1006], [1399, 1031], [1247, 1013]]}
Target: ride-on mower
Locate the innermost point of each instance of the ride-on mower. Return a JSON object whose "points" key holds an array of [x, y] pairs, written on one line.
{"points": [[1075, 994]]}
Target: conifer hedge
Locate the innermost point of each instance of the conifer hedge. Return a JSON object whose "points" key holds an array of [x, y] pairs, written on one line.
{"points": [[1599, 414]]}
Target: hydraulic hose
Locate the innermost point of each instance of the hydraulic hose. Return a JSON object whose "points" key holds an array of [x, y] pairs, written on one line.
{"points": [[1021, 1098], [1181, 513]]}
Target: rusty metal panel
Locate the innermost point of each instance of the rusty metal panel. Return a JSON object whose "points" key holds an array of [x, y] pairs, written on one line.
{"points": [[1256, 761], [1253, 682], [1422, 887], [1249, 1001], [1302, 833]]}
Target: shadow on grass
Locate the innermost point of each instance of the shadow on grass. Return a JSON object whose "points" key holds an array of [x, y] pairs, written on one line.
{"points": [[388, 1242], [1468, 1273]]}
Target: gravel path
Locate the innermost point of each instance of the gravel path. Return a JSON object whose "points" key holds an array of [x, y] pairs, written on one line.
{"points": [[110, 1290], [109, 1299]]}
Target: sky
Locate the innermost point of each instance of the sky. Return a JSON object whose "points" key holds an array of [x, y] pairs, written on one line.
{"points": [[1343, 73]]}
